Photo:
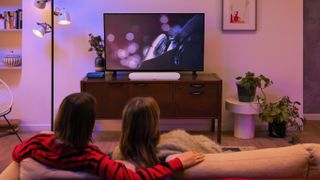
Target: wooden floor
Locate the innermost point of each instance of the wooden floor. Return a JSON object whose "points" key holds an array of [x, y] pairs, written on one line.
{"points": [[108, 140]]}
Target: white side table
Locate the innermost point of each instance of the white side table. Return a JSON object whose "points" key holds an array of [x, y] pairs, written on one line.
{"points": [[244, 124]]}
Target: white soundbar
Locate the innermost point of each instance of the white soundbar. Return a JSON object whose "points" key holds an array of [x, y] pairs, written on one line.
{"points": [[154, 76]]}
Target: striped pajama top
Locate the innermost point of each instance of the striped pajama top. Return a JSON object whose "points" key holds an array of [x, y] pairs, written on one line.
{"points": [[46, 149]]}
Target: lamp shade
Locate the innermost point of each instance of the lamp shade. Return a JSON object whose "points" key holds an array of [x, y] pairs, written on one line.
{"points": [[64, 17], [41, 29], [41, 4]]}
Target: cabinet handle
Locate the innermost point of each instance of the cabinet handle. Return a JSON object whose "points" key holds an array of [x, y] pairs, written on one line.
{"points": [[197, 85], [116, 84], [196, 93], [141, 84]]}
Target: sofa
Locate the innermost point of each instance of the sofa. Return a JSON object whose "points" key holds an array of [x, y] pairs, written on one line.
{"points": [[297, 161]]}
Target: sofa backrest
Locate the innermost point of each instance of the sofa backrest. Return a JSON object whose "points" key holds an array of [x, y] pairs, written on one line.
{"points": [[272, 163], [285, 162], [31, 169]]}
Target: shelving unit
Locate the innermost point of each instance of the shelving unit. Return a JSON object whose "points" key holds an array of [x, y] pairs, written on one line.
{"points": [[11, 39]]}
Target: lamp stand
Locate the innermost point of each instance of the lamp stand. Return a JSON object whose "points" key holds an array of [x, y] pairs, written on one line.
{"points": [[52, 64]]}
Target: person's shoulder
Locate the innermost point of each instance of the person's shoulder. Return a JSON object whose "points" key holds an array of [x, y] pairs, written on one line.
{"points": [[43, 135], [46, 132], [116, 154], [94, 148]]}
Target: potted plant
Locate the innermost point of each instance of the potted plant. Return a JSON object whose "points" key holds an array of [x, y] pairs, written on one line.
{"points": [[247, 85], [280, 115], [96, 43]]}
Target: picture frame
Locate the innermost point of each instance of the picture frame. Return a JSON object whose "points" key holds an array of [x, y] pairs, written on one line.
{"points": [[239, 15]]}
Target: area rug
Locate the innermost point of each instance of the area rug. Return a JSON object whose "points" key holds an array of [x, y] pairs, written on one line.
{"points": [[237, 148]]}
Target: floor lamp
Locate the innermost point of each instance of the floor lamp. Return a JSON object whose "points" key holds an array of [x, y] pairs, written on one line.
{"points": [[52, 64], [44, 28]]}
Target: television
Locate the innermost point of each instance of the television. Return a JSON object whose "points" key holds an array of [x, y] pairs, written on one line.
{"points": [[157, 42]]}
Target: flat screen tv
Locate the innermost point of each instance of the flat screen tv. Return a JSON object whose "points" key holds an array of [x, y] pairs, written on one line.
{"points": [[154, 41]]}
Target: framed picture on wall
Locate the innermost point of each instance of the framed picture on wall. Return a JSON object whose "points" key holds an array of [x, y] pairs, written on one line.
{"points": [[239, 15]]}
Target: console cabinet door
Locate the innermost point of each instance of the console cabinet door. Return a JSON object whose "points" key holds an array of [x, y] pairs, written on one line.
{"points": [[110, 98], [116, 95], [196, 100], [161, 92]]}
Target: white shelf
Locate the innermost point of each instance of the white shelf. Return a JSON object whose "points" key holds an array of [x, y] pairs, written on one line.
{"points": [[2, 66], [10, 30]]}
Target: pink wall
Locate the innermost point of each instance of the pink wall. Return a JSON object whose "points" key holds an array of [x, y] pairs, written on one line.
{"points": [[274, 50]]}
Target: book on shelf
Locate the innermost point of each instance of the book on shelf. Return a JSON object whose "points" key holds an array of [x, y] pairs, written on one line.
{"points": [[19, 20], [11, 19], [6, 19]]}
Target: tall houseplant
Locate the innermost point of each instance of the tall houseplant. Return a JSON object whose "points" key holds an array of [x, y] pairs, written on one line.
{"points": [[97, 44], [248, 84], [280, 115]]}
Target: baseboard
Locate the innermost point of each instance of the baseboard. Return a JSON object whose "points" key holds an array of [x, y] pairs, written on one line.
{"points": [[261, 126], [186, 124], [35, 127], [115, 125], [311, 116], [165, 124]]}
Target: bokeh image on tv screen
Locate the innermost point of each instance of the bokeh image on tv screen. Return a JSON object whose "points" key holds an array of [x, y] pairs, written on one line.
{"points": [[154, 41]]}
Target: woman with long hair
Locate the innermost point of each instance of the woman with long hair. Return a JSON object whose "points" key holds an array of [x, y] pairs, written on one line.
{"points": [[140, 132]]}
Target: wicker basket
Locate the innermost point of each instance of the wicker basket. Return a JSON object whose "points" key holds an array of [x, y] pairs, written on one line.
{"points": [[12, 60]]}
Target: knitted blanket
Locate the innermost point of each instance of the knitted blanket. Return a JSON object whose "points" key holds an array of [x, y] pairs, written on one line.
{"points": [[178, 141]]}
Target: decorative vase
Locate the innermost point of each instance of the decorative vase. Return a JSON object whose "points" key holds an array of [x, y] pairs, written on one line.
{"points": [[277, 130], [100, 64], [246, 94]]}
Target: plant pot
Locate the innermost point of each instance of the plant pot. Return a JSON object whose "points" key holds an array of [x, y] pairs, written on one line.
{"points": [[246, 94], [277, 130], [100, 64]]}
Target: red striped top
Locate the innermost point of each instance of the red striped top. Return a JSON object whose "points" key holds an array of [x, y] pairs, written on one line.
{"points": [[47, 150]]}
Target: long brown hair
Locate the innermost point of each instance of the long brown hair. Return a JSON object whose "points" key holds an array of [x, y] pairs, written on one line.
{"points": [[140, 131], [75, 119]]}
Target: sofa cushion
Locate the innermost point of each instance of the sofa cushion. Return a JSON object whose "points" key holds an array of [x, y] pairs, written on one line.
{"points": [[285, 162], [31, 169]]}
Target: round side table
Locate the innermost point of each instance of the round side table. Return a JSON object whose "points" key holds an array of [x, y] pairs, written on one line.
{"points": [[244, 124]]}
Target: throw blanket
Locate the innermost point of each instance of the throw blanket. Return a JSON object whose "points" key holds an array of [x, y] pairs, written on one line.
{"points": [[178, 141]]}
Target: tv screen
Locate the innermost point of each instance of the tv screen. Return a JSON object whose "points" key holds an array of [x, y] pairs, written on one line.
{"points": [[154, 41]]}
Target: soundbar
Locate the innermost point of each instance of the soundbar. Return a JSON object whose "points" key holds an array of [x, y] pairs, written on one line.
{"points": [[154, 76]]}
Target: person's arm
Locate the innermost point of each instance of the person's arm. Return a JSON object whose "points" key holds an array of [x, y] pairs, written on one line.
{"points": [[108, 168]]}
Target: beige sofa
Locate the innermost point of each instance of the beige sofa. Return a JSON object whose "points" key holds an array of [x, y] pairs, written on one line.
{"points": [[296, 161]]}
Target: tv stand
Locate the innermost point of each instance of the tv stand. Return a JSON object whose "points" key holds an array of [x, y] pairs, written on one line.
{"points": [[154, 76], [189, 97]]}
